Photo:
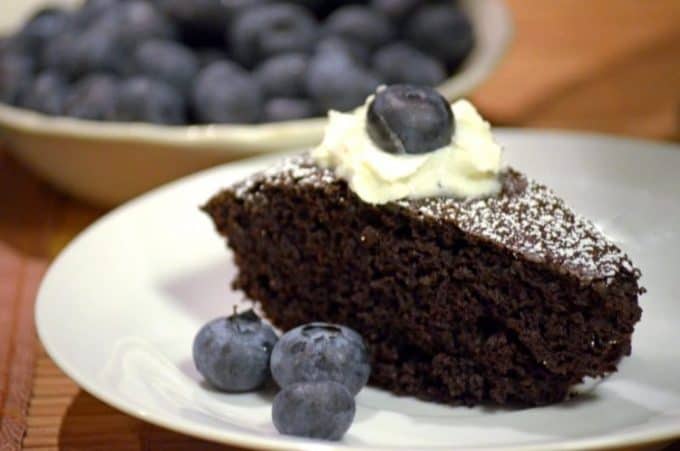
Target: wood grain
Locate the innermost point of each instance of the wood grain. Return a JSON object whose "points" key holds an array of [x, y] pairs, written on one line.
{"points": [[64, 417], [19, 277]]}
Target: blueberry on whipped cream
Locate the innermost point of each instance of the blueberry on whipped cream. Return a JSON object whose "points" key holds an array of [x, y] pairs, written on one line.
{"points": [[407, 142], [405, 119]]}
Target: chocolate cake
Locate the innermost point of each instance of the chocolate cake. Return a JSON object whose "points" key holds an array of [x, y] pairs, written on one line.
{"points": [[510, 299], [469, 282]]}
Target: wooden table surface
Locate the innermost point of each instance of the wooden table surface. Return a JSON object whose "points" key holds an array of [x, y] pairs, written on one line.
{"points": [[38, 221]]}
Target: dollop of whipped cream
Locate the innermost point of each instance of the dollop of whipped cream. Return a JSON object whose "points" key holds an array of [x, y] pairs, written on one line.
{"points": [[468, 167]]}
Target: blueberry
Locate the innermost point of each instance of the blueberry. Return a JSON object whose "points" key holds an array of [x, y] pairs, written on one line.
{"points": [[444, 31], [45, 25], [397, 10], [205, 14], [201, 22], [283, 75], [93, 10], [18, 45], [235, 7], [134, 22], [320, 410], [93, 98], [142, 99], [361, 24], [167, 61], [47, 94], [207, 56], [16, 72], [321, 352], [286, 109], [141, 21], [232, 353], [320, 8], [224, 93], [263, 31], [352, 49], [335, 81], [96, 50], [60, 54], [324, 8], [401, 63], [406, 119]]}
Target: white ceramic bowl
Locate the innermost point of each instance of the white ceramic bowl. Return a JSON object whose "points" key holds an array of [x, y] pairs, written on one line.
{"points": [[107, 163]]}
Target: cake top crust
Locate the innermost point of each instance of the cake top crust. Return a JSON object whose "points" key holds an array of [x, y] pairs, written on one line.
{"points": [[526, 218]]}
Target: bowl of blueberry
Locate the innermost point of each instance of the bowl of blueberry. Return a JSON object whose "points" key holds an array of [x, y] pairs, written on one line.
{"points": [[109, 98]]}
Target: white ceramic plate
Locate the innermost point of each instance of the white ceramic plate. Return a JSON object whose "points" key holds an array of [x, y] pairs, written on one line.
{"points": [[107, 163], [119, 308]]}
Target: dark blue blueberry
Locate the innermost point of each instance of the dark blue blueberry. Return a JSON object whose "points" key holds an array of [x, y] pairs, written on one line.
{"points": [[361, 24], [198, 14], [141, 21], [401, 63], [209, 17], [397, 10], [321, 352], [212, 15], [45, 25], [263, 31], [93, 98], [225, 93], [16, 73], [207, 56], [97, 49], [167, 61], [444, 31], [406, 119], [201, 22], [136, 21], [142, 99], [286, 109], [235, 7], [47, 94], [322, 8], [93, 10], [232, 353], [18, 45], [60, 54], [319, 410], [353, 49], [317, 7], [335, 81], [283, 75]]}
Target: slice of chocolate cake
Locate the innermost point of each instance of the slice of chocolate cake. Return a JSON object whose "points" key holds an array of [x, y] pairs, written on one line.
{"points": [[507, 297]]}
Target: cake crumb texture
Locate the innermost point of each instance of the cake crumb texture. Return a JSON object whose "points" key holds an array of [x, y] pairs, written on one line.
{"points": [[510, 299]]}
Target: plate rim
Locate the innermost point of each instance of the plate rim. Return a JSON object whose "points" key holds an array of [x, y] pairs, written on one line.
{"points": [[650, 435]]}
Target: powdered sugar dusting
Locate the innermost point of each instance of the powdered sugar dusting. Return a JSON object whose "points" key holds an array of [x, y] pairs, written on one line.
{"points": [[538, 225], [297, 169], [527, 218]]}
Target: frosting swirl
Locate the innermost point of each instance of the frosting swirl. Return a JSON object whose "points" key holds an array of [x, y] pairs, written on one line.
{"points": [[467, 168]]}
